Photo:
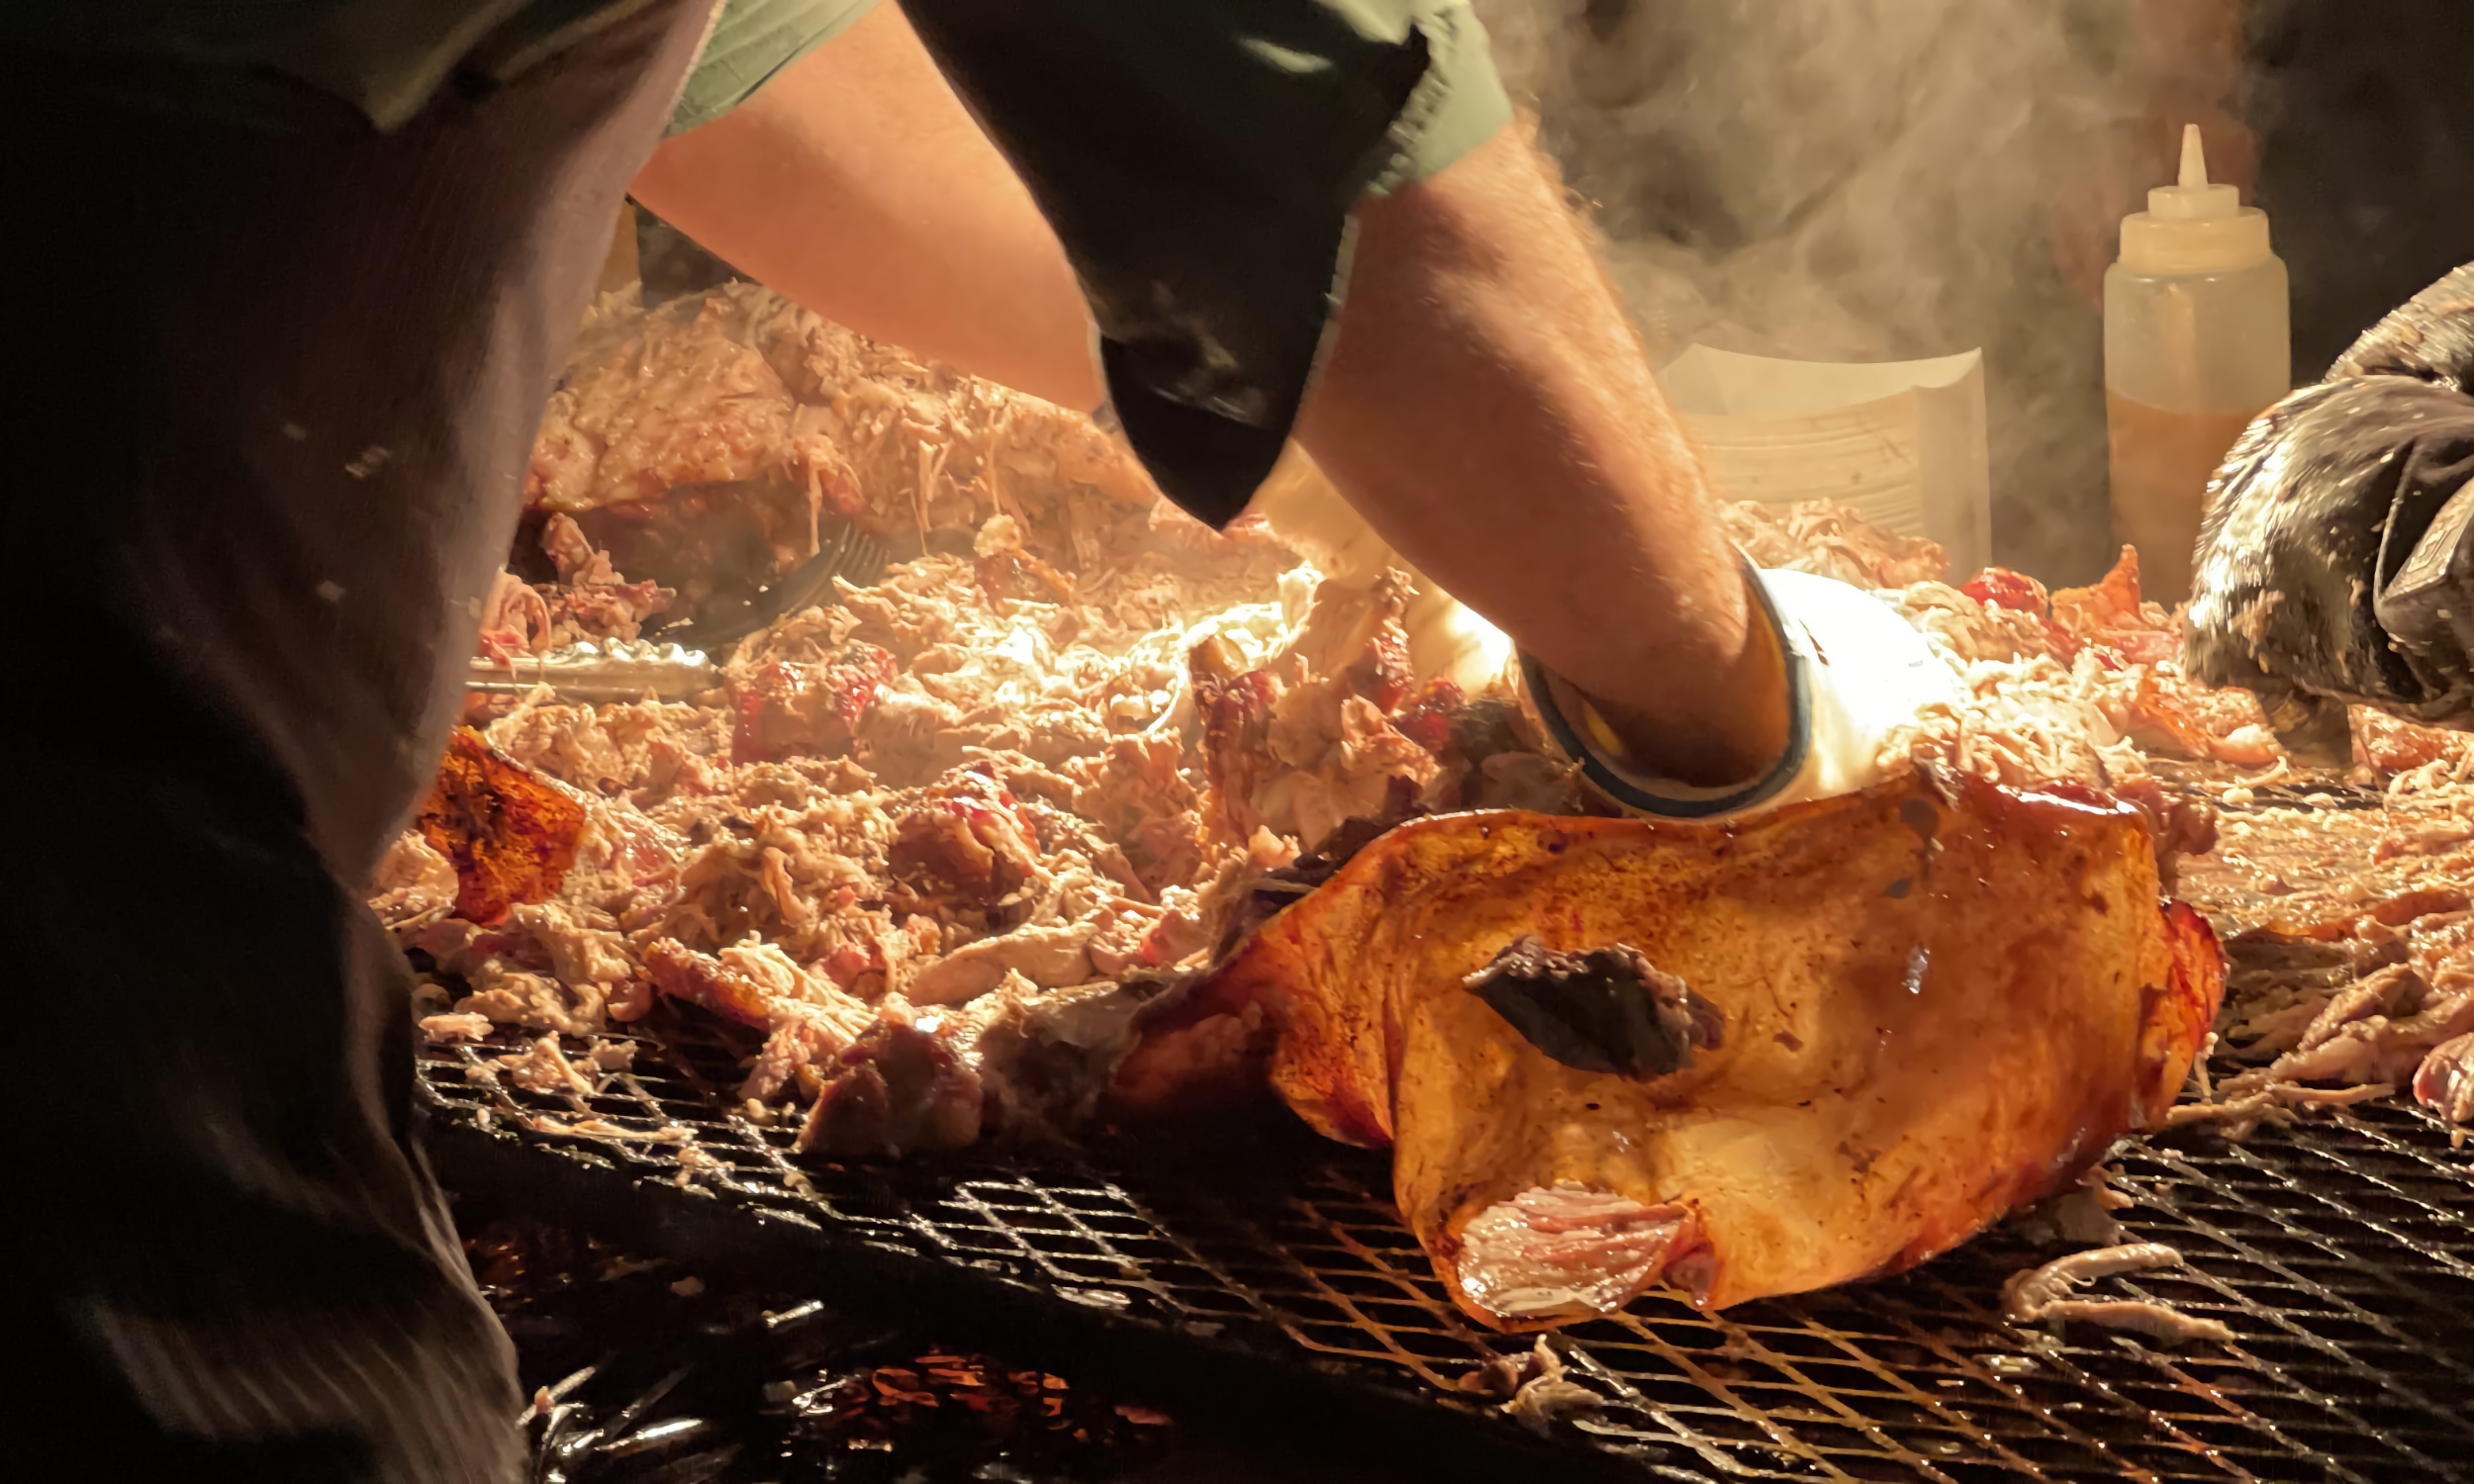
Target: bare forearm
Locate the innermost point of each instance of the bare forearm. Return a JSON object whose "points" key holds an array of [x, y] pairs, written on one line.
{"points": [[1488, 407], [856, 184], [1491, 412]]}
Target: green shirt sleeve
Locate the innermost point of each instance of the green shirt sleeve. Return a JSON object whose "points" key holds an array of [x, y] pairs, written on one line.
{"points": [[1458, 104], [388, 57], [752, 40], [1200, 161]]}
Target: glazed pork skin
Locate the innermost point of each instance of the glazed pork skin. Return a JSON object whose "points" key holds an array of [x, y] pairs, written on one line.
{"points": [[1935, 1001]]}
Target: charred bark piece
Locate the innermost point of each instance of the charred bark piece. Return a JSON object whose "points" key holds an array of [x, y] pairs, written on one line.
{"points": [[509, 832], [1606, 1010]]}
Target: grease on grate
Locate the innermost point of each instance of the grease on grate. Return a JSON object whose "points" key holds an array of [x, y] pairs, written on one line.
{"points": [[2337, 1252]]}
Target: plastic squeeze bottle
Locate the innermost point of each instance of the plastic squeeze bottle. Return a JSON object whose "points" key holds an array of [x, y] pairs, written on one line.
{"points": [[2198, 341]]}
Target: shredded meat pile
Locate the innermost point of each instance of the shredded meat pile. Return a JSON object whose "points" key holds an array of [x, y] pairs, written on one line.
{"points": [[2082, 684], [934, 842], [2352, 975], [2352, 971], [1825, 538], [938, 842]]}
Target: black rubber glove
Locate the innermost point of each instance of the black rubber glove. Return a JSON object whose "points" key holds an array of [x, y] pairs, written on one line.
{"points": [[2333, 567]]}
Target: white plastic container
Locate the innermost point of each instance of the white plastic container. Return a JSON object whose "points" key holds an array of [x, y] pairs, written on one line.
{"points": [[2198, 341], [1900, 441]]}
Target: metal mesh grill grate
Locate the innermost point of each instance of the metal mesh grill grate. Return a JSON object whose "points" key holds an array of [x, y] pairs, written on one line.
{"points": [[2339, 1252]]}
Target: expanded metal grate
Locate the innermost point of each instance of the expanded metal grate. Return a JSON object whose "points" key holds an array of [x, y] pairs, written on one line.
{"points": [[2339, 1252]]}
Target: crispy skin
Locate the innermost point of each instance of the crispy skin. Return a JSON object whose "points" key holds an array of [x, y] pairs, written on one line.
{"points": [[1936, 1006], [510, 833]]}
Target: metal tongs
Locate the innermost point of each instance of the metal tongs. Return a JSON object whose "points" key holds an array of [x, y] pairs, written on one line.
{"points": [[617, 669]]}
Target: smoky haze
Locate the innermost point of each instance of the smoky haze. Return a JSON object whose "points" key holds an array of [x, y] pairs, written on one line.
{"points": [[1868, 180]]}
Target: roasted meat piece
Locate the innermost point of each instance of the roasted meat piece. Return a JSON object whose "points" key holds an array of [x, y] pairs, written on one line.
{"points": [[2111, 615], [2444, 1083], [963, 845], [510, 833], [1308, 742], [1886, 1019], [905, 1085], [2017, 593], [682, 397], [786, 708]]}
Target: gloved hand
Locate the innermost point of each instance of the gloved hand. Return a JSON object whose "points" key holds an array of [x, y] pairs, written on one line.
{"points": [[1857, 672], [2335, 563]]}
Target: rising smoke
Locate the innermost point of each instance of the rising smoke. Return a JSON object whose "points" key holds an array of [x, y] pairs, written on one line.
{"points": [[1868, 180]]}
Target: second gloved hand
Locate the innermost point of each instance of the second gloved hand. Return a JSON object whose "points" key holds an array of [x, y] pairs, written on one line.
{"points": [[2327, 571]]}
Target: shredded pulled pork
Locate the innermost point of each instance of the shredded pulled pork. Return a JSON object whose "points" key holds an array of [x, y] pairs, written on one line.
{"points": [[2413, 758], [2042, 1294], [2081, 685], [442, 1029], [1830, 540], [543, 1068], [2051, 698], [741, 385], [2350, 933], [588, 600], [934, 843]]}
